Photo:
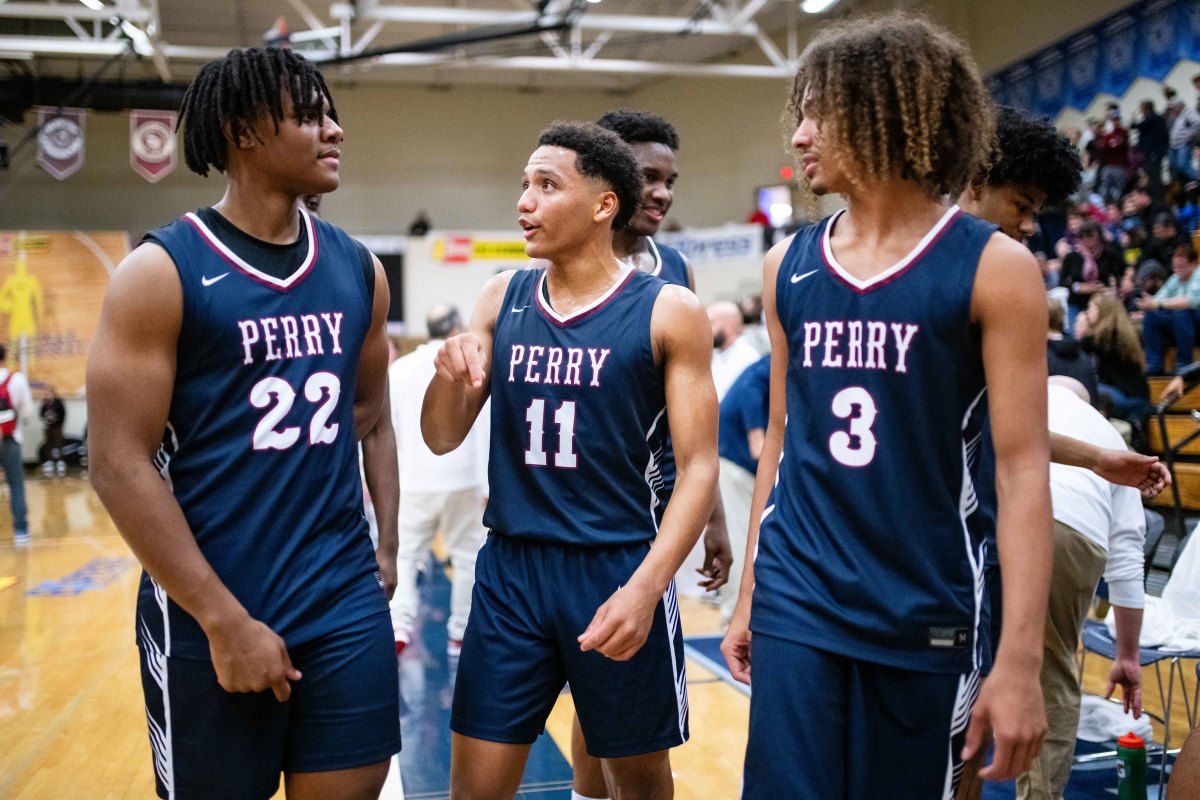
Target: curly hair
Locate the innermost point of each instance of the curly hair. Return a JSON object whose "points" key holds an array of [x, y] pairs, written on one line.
{"points": [[640, 126], [600, 153], [896, 96], [1030, 151], [1113, 336], [239, 89]]}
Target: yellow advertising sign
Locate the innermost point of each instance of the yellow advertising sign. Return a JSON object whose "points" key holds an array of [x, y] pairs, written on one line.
{"points": [[465, 249]]}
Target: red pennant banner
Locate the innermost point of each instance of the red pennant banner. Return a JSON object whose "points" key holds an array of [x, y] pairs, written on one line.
{"points": [[60, 140], [152, 150]]}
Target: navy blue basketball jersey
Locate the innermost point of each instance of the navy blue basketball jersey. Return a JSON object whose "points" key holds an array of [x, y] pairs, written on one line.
{"points": [[872, 544], [672, 268], [260, 450], [670, 265], [578, 416]]}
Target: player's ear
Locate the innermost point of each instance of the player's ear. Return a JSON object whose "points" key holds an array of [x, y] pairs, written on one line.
{"points": [[606, 207]]}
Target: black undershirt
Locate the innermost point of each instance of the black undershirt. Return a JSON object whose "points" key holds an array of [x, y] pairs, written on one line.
{"points": [[277, 260]]}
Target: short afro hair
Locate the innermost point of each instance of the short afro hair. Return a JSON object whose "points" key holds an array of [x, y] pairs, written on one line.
{"points": [[239, 89], [600, 153], [1029, 150], [640, 126]]}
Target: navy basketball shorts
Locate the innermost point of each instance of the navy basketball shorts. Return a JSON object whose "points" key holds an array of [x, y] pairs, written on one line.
{"points": [[826, 726], [344, 712], [991, 615], [531, 602]]}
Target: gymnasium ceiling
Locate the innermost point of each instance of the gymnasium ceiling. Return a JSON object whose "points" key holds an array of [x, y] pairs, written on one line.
{"points": [[617, 45]]}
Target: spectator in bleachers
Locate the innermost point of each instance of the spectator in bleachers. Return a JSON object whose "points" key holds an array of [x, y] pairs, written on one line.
{"points": [[1164, 238], [1112, 154], [1064, 355], [1106, 333], [1089, 269], [1099, 530], [1182, 137], [1148, 278], [1172, 312], [1152, 145]]}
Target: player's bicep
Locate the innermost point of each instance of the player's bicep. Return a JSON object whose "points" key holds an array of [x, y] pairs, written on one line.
{"points": [[373, 359], [687, 373], [131, 362], [1009, 304]]}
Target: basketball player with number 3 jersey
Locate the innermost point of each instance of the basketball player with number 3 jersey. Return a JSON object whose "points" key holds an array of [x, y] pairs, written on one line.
{"points": [[895, 325], [582, 360], [240, 356]]}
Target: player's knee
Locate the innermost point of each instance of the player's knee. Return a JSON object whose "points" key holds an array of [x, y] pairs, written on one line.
{"points": [[643, 777]]}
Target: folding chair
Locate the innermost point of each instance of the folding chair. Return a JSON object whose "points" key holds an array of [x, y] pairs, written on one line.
{"points": [[1097, 639]]}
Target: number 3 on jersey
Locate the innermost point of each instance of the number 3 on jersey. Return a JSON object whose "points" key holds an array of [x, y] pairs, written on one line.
{"points": [[564, 417], [855, 447]]}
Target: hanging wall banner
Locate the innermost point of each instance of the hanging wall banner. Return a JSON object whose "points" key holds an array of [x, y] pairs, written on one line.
{"points": [[1189, 22], [152, 151], [1160, 49], [60, 140], [1119, 68], [1083, 70], [1051, 80], [1020, 87]]}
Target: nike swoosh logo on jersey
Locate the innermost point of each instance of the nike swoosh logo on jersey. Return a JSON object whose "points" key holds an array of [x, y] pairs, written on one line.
{"points": [[207, 281], [798, 278], [519, 310]]}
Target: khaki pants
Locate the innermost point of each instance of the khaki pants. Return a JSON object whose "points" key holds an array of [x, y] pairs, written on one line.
{"points": [[737, 489], [1078, 566]]}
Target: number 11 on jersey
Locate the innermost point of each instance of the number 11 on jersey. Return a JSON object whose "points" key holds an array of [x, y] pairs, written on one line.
{"points": [[564, 417]]}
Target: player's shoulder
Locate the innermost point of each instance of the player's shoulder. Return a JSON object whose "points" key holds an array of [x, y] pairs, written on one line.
{"points": [[1005, 255]]}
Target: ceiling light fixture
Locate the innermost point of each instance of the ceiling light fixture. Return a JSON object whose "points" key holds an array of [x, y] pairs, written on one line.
{"points": [[816, 6], [94, 5]]}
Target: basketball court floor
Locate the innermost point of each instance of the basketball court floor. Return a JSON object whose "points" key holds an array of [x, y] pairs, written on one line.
{"points": [[71, 717]]}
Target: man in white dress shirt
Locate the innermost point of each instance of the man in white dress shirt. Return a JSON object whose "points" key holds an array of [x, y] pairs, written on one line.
{"points": [[732, 352]]}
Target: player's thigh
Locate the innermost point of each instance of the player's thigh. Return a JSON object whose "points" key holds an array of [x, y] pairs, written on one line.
{"points": [[510, 672], [206, 742], [346, 708], [360, 783], [906, 731], [625, 708], [485, 770], [797, 737]]}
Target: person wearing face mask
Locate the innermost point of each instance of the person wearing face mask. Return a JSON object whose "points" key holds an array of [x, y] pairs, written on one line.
{"points": [[732, 353]]}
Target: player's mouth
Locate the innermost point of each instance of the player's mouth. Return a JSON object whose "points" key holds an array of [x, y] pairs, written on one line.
{"points": [[332, 157], [527, 227], [655, 213], [810, 164]]}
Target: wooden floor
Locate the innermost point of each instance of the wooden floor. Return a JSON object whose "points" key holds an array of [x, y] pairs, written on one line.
{"points": [[71, 716]]}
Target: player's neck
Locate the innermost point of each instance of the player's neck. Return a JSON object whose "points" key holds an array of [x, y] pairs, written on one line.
{"points": [[633, 250], [895, 210], [581, 277], [264, 214]]}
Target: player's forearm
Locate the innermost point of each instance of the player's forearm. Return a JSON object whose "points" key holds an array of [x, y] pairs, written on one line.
{"points": [[1072, 452], [690, 508], [1129, 630], [152, 524], [768, 467], [448, 413], [1025, 540], [382, 472]]}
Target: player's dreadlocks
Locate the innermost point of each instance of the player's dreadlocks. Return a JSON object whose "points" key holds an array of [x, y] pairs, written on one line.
{"points": [[896, 95], [239, 90], [640, 126]]}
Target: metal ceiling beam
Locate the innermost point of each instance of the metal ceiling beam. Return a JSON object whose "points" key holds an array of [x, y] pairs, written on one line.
{"points": [[431, 15], [599, 65], [75, 11]]}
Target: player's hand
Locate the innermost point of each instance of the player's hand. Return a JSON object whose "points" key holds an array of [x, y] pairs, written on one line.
{"points": [[736, 644], [1010, 704], [1126, 468], [250, 657], [718, 557], [1128, 674], [386, 559], [621, 625], [461, 360]]}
